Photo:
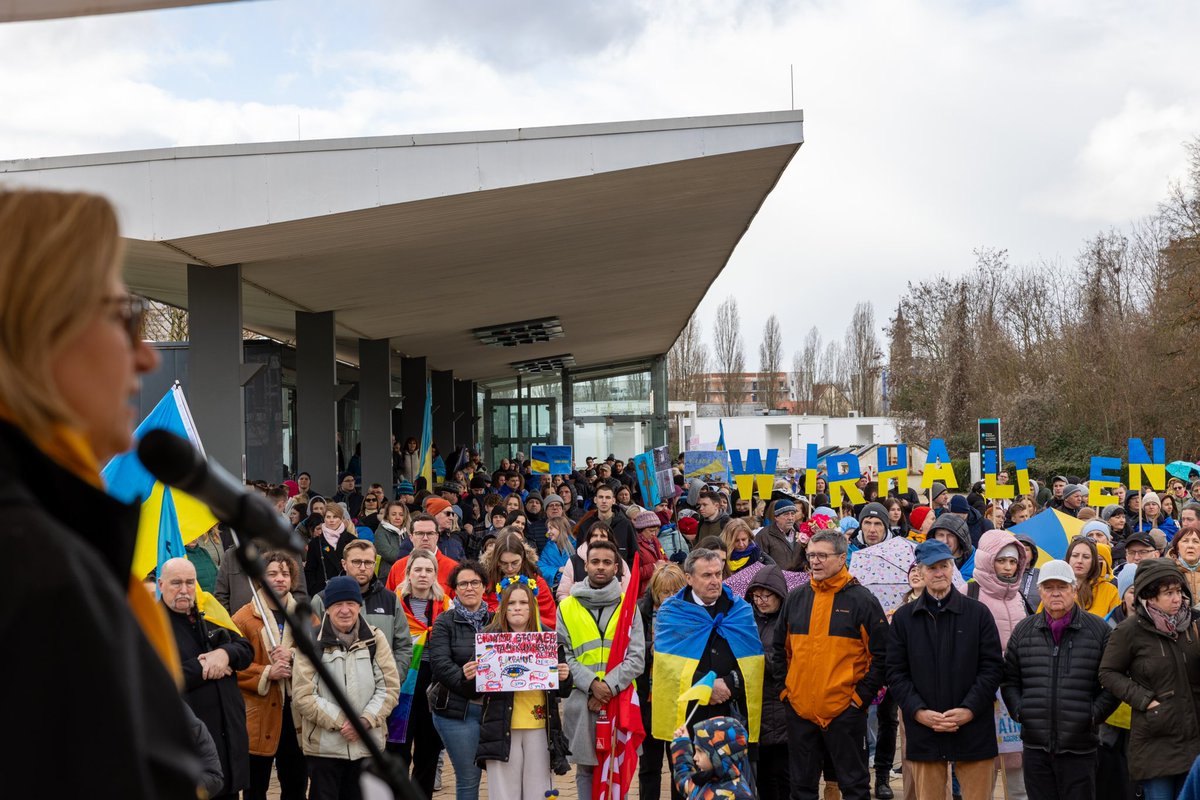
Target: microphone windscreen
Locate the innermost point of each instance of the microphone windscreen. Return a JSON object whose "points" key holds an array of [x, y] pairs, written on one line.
{"points": [[170, 458]]}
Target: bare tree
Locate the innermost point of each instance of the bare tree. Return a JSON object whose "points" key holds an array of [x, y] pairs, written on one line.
{"points": [[165, 323], [863, 354], [687, 362], [804, 368], [729, 356], [770, 362]]}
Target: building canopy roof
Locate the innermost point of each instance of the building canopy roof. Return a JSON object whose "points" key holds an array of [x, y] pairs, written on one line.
{"points": [[613, 232]]}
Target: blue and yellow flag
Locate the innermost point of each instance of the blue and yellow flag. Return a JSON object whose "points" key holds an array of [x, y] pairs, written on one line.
{"points": [[165, 512], [426, 470], [701, 692], [681, 633], [1052, 532]]}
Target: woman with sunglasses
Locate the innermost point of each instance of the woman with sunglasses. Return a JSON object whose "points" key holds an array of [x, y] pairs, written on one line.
{"points": [[71, 357]]}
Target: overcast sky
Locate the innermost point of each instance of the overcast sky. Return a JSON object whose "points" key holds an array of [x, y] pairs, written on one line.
{"points": [[932, 128]]}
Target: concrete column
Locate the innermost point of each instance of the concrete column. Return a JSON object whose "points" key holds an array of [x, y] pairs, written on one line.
{"points": [[660, 424], [412, 386], [216, 363], [316, 400], [464, 412], [443, 411], [375, 411], [568, 408]]}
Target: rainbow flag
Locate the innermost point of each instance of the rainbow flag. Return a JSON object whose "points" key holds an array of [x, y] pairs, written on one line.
{"points": [[682, 630], [426, 468], [398, 719]]}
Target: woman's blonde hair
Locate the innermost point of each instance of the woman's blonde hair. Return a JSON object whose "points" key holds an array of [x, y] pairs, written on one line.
{"points": [[732, 529], [59, 255], [406, 584], [668, 578]]}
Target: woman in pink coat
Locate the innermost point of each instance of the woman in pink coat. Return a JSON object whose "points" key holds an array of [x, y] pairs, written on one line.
{"points": [[1000, 561]]}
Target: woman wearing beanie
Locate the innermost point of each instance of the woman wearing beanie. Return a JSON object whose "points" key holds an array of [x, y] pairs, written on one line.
{"points": [[999, 563], [919, 523], [1152, 662], [1185, 549], [1152, 517], [1093, 576]]}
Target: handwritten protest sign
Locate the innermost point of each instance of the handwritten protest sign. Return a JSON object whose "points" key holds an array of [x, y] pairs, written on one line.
{"points": [[710, 466], [516, 662]]}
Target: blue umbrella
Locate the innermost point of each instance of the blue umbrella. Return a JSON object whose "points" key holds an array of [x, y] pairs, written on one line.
{"points": [[1183, 469]]}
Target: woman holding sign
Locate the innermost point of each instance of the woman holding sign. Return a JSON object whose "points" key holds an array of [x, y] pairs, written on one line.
{"points": [[521, 741]]}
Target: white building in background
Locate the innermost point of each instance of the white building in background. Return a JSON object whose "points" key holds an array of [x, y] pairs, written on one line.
{"points": [[783, 432]]}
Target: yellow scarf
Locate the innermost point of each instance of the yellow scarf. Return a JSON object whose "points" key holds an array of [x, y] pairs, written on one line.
{"points": [[70, 449]]}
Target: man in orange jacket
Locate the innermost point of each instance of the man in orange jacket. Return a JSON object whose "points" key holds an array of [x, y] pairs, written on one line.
{"points": [[832, 655]]}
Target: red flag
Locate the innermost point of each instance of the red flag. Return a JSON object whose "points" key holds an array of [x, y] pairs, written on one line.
{"points": [[617, 744]]}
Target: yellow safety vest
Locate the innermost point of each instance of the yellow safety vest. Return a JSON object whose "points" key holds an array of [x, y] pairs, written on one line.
{"points": [[587, 645]]}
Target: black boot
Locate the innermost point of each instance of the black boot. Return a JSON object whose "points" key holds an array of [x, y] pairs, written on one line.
{"points": [[882, 790]]}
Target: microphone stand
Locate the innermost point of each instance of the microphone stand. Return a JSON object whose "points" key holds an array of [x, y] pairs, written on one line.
{"points": [[386, 767]]}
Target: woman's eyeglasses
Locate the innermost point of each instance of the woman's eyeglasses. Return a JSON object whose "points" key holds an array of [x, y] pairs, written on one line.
{"points": [[132, 312]]}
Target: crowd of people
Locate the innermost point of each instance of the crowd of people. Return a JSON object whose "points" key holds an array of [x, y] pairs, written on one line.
{"points": [[798, 662], [849, 673]]}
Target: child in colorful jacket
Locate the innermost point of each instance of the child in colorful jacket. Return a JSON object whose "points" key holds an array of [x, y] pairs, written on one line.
{"points": [[716, 766]]}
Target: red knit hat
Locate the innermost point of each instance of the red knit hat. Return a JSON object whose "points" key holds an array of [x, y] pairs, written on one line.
{"points": [[435, 506], [689, 526], [918, 515]]}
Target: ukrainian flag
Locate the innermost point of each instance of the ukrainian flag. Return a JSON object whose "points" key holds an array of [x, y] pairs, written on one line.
{"points": [[426, 470], [170, 519], [681, 632], [1052, 531]]}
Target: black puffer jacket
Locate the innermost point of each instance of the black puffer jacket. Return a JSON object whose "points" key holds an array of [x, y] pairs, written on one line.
{"points": [[1053, 690], [1141, 665], [773, 728], [451, 644], [495, 728]]}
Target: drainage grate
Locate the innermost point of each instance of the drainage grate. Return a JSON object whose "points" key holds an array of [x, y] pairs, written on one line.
{"points": [[514, 334]]}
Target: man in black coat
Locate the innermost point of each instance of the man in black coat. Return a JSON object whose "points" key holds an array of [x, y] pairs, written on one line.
{"points": [[1052, 687], [944, 666], [210, 656]]}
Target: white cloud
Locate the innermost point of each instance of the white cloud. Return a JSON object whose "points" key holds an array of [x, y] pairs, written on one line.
{"points": [[934, 127]]}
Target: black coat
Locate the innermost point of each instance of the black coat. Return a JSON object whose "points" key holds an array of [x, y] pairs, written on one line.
{"points": [[773, 727], [495, 726], [218, 703], [1140, 665], [102, 664], [939, 658], [1054, 690], [622, 528], [451, 644], [322, 562]]}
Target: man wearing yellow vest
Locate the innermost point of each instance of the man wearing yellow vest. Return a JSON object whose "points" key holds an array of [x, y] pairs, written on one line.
{"points": [[587, 623]]}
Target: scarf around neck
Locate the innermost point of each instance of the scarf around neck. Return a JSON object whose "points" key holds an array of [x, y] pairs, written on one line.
{"points": [[743, 558], [332, 534], [477, 618], [594, 599], [1169, 624]]}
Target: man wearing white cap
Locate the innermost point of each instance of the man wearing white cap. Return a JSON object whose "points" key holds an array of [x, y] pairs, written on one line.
{"points": [[1052, 687]]}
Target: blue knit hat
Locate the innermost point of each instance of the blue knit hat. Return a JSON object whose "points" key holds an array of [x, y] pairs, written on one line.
{"points": [[1125, 580], [343, 587], [405, 487]]}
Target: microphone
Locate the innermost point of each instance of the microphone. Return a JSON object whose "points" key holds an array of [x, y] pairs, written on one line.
{"points": [[177, 463]]}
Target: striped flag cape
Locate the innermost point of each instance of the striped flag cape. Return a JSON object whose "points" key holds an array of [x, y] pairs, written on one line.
{"points": [[618, 757], [681, 632], [398, 720]]}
